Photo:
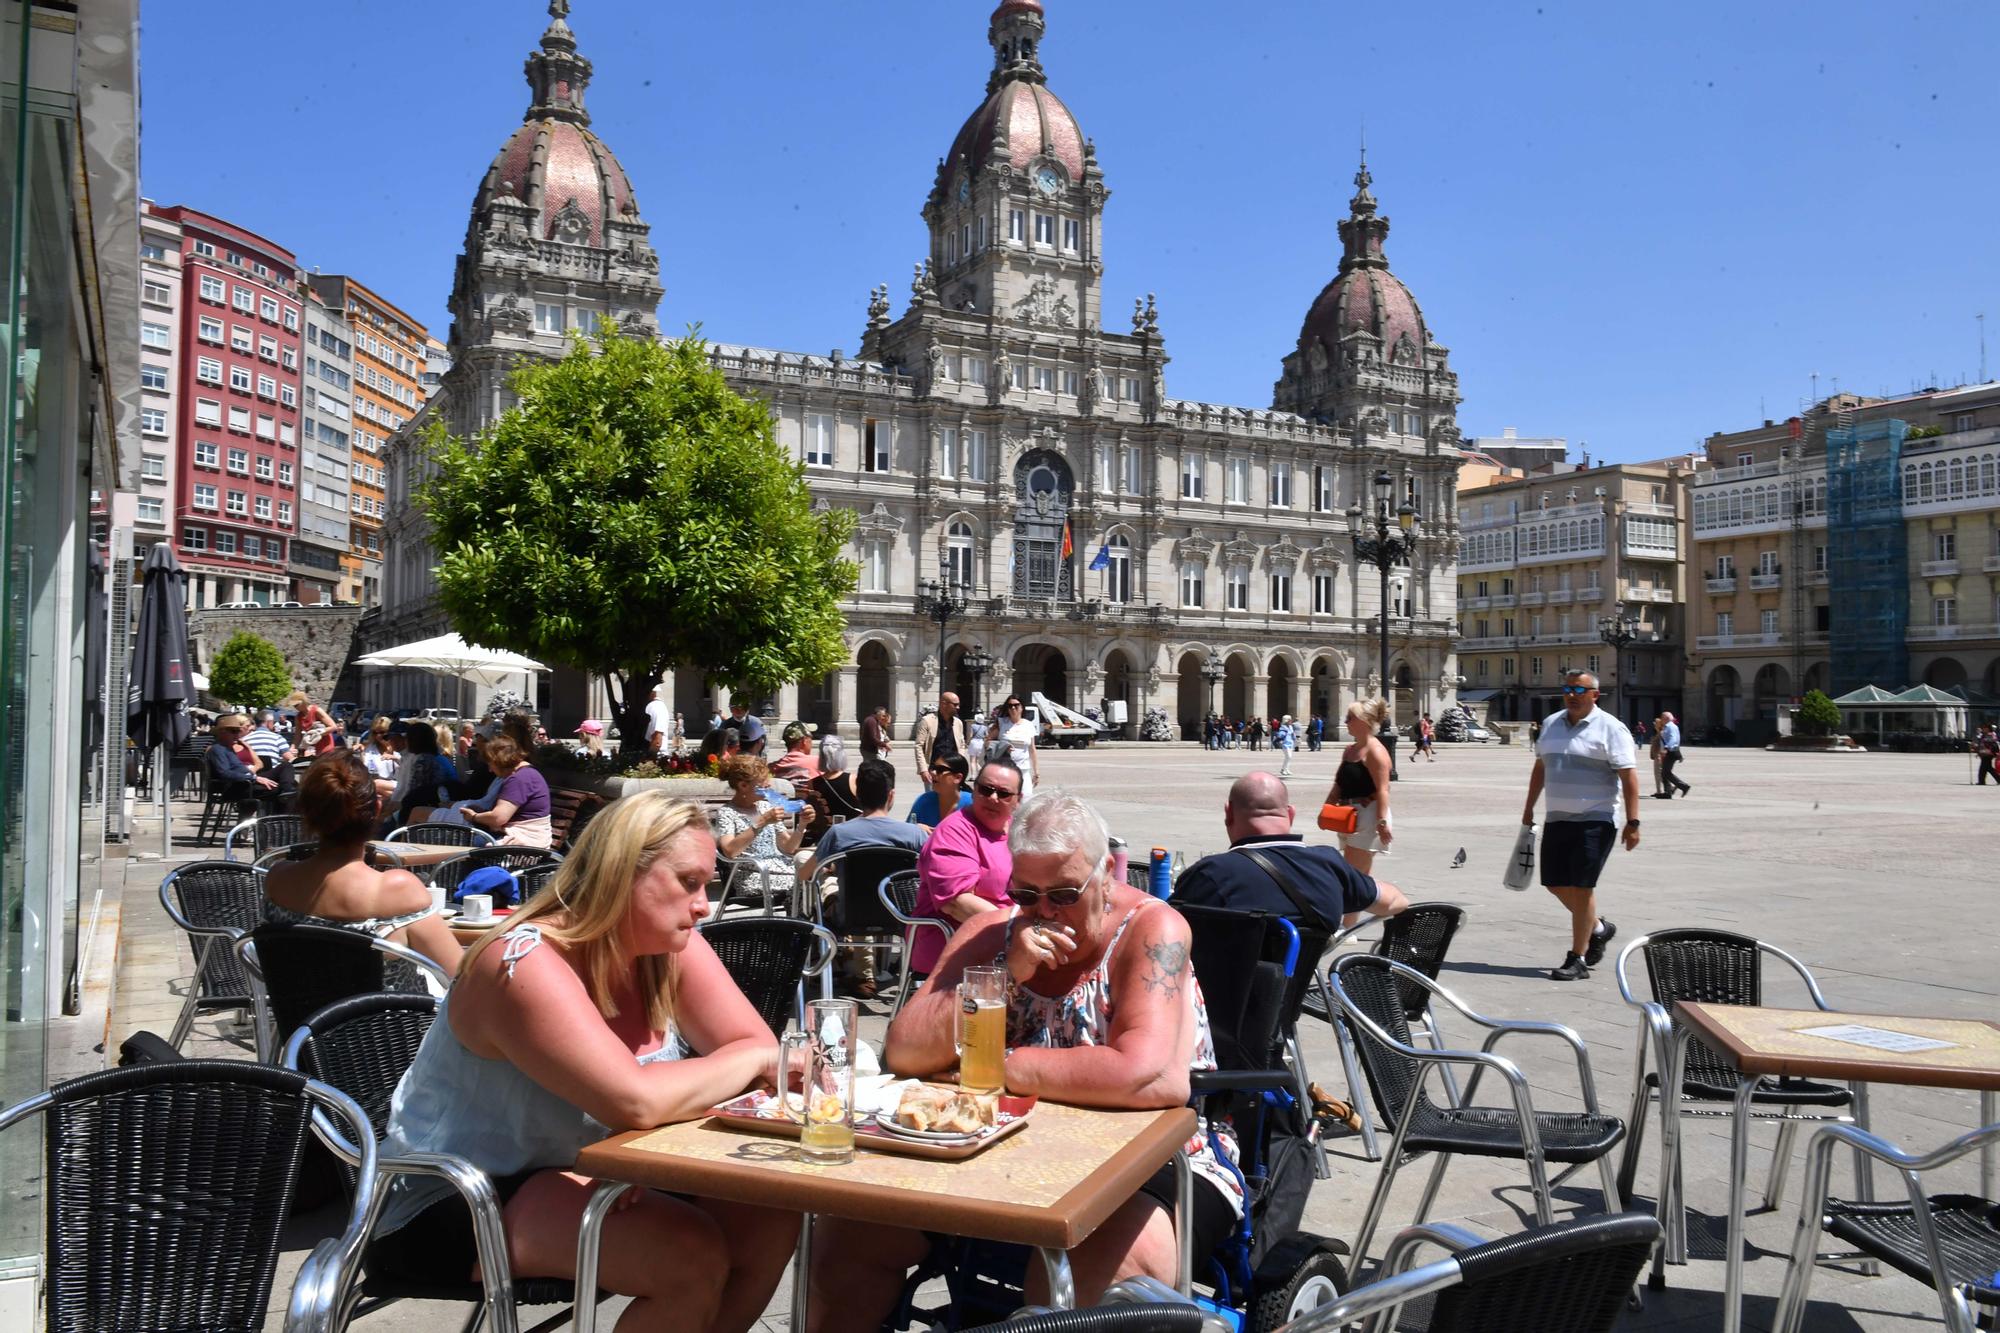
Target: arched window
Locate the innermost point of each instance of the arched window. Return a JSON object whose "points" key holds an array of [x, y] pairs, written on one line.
{"points": [[1118, 574], [960, 555]]}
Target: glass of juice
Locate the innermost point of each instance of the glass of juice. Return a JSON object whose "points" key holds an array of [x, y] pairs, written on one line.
{"points": [[825, 1107], [980, 1029]]}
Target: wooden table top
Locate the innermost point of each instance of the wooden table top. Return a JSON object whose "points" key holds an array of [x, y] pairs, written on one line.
{"points": [[1762, 1041], [416, 853], [1050, 1185]]}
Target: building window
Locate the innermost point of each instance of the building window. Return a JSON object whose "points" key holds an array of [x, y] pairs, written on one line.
{"points": [[587, 320], [204, 495], [1819, 559], [267, 347], [1131, 389], [153, 467], [548, 318], [225, 542], [875, 566], [153, 420], [948, 453], [1768, 623], [285, 512], [194, 539], [206, 454], [1134, 472], [212, 288], [1072, 234], [1767, 562], [262, 508], [263, 467], [268, 308], [155, 377], [1236, 588], [156, 335], [152, 509], [1322, 594], [1045, 378], [1725, 566], [1236, 481], [288, 396], [1507, 667], [1191, 476], [267, 426], [975, 370], [1725, 623], [284, 474], [253, 546], [1322, 489], [1281, 590], [243, 299], [819, 439], [207, 369], [1481, 671], [1020, 376], [1118, 574], [238, 502], [1944, 610], [1961, 422], [1944, 546], [1045, 229], [1280, 488], [874, 447], [1191, 585], [239, 462], [1017, 225], [239, 379], [266, 387]]}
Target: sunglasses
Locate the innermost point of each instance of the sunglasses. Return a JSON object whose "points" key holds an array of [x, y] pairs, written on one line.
{"points": [[997, 793], [1579, 689], [1068, 895], [940, 771]]}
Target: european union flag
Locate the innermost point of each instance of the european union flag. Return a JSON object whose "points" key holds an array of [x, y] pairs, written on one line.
{"points": [[1102, 560]]}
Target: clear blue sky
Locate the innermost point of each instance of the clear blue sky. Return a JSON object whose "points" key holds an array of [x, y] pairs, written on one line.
{"points": [[1632, 224]]}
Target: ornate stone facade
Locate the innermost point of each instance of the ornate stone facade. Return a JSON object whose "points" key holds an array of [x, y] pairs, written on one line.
{"points": [[1110, 536]]}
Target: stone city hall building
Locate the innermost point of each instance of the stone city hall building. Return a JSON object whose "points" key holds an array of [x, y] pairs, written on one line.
{"points": [[1001, 435]]}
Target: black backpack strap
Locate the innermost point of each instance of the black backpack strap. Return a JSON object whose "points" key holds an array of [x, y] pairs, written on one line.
{"points": [[1274, 867]]}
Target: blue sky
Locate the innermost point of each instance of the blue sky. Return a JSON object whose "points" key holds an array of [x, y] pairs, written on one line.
{"points": [[1633, 224]]}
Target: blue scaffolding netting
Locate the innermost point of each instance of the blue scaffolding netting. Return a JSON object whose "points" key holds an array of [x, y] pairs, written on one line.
{"points": [[1867, 556]]}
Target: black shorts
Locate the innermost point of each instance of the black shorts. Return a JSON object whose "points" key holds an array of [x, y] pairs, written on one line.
{"points": [[1574, 852], [1213, 1218], [437, 1246]]}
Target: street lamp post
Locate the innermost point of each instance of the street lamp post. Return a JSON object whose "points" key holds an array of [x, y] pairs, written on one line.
{"points": [[944, 600], [1213, 671], [976, 663], [1618, 629], [1393, 542]]}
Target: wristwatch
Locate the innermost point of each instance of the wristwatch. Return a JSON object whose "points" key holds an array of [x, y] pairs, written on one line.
{"points": [[1631, 823]]}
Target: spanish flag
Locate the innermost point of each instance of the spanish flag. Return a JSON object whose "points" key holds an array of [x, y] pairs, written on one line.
{"points": [[1069, 546]]}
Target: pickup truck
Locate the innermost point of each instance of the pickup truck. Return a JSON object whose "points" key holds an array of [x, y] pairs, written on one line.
{"points": [[1059, 726]]}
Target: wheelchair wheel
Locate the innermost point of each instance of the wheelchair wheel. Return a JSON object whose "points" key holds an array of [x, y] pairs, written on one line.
{"points": [[1317, 1279]]}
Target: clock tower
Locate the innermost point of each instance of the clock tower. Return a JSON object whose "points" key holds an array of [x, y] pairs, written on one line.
{"points": [[1016, 213]]}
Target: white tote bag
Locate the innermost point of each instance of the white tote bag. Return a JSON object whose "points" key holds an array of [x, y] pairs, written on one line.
{"points": [[1521, 865]]}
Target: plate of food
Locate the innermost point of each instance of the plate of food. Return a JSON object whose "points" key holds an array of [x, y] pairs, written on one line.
{"points": [[945, 1115]]}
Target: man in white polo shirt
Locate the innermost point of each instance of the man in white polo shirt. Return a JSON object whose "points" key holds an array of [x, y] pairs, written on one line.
{"points": [[1585, 762]]}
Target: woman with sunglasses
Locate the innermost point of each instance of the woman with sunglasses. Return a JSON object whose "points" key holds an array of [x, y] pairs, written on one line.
{"points": [[1103, 1010], [1015, 736], [963, 870], [949, 792]]}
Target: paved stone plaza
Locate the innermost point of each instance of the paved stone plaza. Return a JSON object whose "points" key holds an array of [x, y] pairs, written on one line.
{"points": [[1869, 867]]}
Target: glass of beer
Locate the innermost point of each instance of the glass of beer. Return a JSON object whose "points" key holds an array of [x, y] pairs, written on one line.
{"points": [[825, 1106], [980, 1029]]}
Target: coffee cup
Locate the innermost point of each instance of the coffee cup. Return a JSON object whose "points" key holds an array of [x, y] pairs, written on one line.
{"points": [[476, 906], [440, 898]]}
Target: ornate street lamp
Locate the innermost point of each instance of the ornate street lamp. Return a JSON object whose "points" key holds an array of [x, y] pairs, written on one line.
{"points": [[976, 663], [1213, 671], [1618, 629], [1393, 542], [944, 600]]}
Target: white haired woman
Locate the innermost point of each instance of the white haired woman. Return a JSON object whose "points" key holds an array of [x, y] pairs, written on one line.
{"points": [[1103, 1011], [600, 1009]]}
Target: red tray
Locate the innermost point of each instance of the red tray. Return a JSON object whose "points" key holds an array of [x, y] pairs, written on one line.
{"points": [[758, 1112]]}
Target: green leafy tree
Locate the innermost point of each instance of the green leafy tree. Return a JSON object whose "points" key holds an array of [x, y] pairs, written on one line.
{"points": [[634, 514], [249, 672], [1818, 715]]}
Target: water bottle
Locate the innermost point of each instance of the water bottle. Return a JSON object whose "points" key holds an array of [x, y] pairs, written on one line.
{"points": [[1160, 878]]}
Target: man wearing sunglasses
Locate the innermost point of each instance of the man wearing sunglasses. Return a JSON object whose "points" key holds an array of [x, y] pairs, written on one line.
{"points": [[964, 868], [1587, 767]]}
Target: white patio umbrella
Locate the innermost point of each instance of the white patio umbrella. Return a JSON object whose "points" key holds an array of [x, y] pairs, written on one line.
{"points": [[450, 655]]}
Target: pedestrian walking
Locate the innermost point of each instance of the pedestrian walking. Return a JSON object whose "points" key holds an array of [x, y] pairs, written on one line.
{"points": [[1286, 740], [1362, 781], [1316, 732], [1427, 738], [1670, 755], [1587, 775], [1654, 752], [1986, 744]]}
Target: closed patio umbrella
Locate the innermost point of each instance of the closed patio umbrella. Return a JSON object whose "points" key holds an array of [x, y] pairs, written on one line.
{"points": [[156, 709]]}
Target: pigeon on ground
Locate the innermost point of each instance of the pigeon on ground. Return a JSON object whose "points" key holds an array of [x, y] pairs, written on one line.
{"points": [[1458, 860]]}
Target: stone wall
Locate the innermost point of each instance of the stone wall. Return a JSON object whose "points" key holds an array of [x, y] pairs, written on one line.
{"points": [[317, 643]]}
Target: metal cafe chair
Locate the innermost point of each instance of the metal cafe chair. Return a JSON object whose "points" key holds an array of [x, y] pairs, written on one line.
{"points": [[866, 921], [216, 903], [1949, 1242], [298, 968], [898, 893], [1366, 988], [442, 835], [770, 959], [1711, 967], [168, 1185], [265, 833], [1574, 1276]]}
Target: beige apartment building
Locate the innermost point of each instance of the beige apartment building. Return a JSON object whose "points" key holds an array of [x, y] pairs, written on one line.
{"points": [[1886, 573], [1549, 562]]}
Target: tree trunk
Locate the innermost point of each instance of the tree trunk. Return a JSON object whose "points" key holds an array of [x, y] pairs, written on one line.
{"points": [[629, 697]]}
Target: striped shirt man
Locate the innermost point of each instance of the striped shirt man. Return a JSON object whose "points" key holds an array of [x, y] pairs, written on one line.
{"points": [[268, 745], [1580, 763]]}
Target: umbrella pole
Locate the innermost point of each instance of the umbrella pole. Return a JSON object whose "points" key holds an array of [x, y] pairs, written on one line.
{"points": [[163, 780]]}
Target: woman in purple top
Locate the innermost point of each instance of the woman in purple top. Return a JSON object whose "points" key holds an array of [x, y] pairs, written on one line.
{"points": [[520, 813], [964, 868]]}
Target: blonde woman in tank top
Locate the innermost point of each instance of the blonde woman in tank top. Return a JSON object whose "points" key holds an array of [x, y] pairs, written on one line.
{"points": [[1362, 781]]}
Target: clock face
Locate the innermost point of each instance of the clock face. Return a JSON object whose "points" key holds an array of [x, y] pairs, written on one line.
{"points": [[1048, 180], [964, 189]]}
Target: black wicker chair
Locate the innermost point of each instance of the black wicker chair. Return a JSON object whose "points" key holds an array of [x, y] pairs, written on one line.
{"points": [[1568, 1277], [898, 893], [448, 875], [866, 921], [216, 903], [362, 1045], [770, 958], [1712, 967], [265, 833], [1949, 1242], [442, 835], [1367, 988], [1420, 935], [297, 969], [533, 879], [220, 812], [167, 1188]]}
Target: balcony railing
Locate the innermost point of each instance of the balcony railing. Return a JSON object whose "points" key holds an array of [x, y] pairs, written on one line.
{"points": [[1632, 592], [1726, 584], [1939, 569], [1561, 596], [1766, 581], [1590, 594], [1531, 599], [1475, 603], [1707, 642], [1504, 600], [1486, 643], [1992, 563], [1925, 633]]}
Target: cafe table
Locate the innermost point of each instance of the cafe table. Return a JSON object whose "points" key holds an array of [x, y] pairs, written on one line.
{"points": [[408, 854], [1840, 1048], [1049, 1185]]}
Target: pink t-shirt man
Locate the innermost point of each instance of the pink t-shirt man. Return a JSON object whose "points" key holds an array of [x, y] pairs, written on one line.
{"points": [[961, 856]]}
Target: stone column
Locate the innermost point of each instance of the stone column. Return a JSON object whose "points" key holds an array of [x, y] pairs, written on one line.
{"points": [[846, 691], [788, 702], [905, 697], [1259, 694], [721, 693]]}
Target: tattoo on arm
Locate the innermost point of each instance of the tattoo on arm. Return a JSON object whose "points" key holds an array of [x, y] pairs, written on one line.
{"points": [[1169, 963]]}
